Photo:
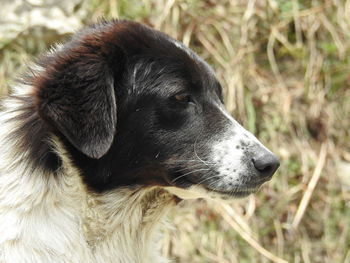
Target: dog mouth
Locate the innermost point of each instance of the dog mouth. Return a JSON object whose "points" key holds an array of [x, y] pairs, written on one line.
{"points": [[233, 192]]}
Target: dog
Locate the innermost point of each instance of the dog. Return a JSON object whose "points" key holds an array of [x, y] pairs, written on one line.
{"points": [[105, 134]]}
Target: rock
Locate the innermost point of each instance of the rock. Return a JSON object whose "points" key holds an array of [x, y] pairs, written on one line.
{"points": [[18, 17]]}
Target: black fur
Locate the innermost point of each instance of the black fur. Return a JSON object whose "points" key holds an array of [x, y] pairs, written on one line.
{"points": [[33, 136]]}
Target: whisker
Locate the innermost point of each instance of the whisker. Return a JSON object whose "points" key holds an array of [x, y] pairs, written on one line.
{"points": [[188, 174], [194, 147], [189, 167], [186, 161], [182, 161], [205, 179], [212, 185]]}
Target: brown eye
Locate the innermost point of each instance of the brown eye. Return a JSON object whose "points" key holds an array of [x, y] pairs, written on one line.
{"points": [[182, 97]]}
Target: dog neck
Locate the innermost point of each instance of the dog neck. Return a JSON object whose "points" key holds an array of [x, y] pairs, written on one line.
{"points": [[55, 218], [123, 224], [116, 222]]}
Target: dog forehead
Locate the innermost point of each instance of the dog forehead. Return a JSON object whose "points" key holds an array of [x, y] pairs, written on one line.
{"points": [[155, 61], [170, 77], [141, 41]]}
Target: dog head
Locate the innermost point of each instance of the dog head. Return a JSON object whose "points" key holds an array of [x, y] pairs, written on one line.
{"points": [[135, 107]]}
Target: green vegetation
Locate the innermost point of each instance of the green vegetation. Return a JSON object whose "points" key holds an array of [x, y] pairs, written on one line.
{"points": [[285, 67]]}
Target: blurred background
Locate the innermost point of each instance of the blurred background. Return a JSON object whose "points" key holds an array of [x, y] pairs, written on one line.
{"points": [[285, 67]]}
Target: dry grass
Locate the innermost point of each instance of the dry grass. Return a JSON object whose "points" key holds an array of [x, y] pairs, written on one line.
{"points": [[286, 72]]}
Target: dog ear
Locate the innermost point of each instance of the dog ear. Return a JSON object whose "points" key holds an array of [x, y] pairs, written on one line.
{"points": [[76, 95]]}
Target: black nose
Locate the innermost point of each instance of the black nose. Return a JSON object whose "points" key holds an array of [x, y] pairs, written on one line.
{"points": [[266, 164]]}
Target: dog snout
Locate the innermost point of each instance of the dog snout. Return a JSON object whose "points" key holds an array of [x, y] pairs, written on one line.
{"points": [[266, 163]]}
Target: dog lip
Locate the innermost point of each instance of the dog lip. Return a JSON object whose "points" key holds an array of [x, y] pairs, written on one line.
{"points": [[235, 192], [182, 182]]}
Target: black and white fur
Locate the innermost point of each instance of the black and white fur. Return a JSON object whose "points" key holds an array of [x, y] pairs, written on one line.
{"points": [[108, 132]]}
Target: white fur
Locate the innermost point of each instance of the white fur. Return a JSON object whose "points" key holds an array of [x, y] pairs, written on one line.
{"points": [[196, 191], [191, 193], [46, 218], [229, 152]]}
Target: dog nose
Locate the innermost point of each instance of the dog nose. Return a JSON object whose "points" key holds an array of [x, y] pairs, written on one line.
{"points": [[266, 164]]}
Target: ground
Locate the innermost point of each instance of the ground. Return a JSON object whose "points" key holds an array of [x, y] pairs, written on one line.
{"points": [[285, 69]]}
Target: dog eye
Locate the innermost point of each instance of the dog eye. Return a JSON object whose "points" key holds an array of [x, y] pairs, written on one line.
{"points": [[183, 97]]}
